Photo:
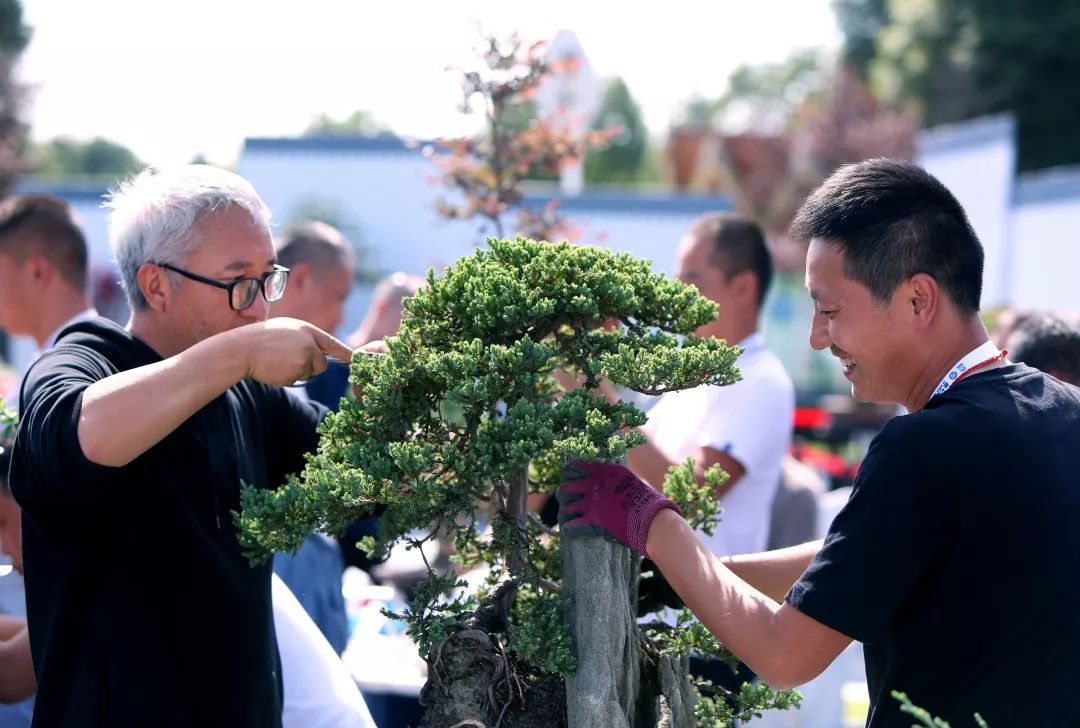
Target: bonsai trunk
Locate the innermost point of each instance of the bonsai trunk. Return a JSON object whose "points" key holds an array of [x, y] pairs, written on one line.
{"points": [[600, 584], [614, 685]]}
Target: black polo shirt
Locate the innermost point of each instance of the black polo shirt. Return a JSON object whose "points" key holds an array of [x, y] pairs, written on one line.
{"points": [[142, 609], [956, 561]]}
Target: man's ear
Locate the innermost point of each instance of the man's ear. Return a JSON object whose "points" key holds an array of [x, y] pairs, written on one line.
{"points": [[299, 278], [41, 269], [745, 285], [924, 298], [156, 287]]}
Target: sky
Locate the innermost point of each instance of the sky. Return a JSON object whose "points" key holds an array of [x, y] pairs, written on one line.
{"points": [[172, 80]]}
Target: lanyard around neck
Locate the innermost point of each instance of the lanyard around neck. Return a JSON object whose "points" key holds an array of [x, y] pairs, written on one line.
{"points": [[975, 359]]}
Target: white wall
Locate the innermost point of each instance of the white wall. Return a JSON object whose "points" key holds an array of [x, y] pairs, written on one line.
{"points": [[976, 160], [387, 197], [1046, 235], [387, 194], [390, 196]]}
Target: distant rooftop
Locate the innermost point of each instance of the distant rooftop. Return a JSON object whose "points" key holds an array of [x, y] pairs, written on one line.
{"points": [[966, 134], [334, 143], [1049, 185], [72, 190], [592, 200]]}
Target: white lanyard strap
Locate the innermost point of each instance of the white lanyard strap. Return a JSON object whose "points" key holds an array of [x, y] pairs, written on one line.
{"points": [[983, 354]]}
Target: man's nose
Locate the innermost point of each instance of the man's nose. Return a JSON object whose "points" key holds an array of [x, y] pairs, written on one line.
{"points": [[819, 332], [259, 310]]}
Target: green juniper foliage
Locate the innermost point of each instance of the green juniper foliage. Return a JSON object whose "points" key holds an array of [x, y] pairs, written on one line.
{"points": [[9, 420], [698, 501], [713, 711], [924, 717], [714, 707], [463, 419]]}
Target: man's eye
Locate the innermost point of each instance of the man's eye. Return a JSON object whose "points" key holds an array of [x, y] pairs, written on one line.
{"points": [[827, 314]]}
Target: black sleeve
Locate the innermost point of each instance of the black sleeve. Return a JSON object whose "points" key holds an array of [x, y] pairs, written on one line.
{"points": [[48, 464], [296, 434], [879, 543]]}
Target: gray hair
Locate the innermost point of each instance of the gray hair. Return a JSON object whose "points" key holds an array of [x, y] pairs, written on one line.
{"points": [[152, 216]]}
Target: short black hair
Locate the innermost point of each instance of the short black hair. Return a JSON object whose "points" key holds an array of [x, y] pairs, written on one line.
{"points": [[317, 243], [1048, 343], [45, 225], [891, 220], [738, 244]]}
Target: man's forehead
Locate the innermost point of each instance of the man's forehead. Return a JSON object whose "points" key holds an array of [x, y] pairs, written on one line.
{"points": [[824, 268], [242, 264], [232, 242], [235, 259]]}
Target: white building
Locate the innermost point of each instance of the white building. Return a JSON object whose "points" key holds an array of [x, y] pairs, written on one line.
{"points": [[383, 193]]}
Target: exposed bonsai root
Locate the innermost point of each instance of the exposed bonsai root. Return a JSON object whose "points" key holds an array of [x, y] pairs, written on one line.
{"points": [[473, 682]]}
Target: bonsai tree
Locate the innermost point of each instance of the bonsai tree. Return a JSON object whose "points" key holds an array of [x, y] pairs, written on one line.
{"points": [[458, 424]]}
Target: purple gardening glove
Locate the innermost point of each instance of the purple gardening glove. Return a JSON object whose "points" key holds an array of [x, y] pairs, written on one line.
{"points": [[611, 499]]}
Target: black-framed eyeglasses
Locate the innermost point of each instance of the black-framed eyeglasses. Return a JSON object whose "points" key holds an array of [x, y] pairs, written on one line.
{"points": [[242, 291]]}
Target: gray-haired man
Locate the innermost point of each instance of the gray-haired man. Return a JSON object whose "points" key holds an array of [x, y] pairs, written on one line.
{"points": [[127, 464]]}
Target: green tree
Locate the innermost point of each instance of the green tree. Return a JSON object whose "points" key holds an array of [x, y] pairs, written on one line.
{"points": [[781, 128], [1027, 61], [98, 157], [461, 421], [621, 161], [961, 59], [763, 98], [860, 22], [927, 52], [766, 97], [358, 123], [14, 37]]}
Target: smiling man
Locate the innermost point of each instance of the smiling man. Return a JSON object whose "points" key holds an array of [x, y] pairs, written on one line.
{"points": [[128, 462], [954, 560]]}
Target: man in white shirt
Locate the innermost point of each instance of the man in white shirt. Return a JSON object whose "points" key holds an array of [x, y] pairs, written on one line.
{"points": [[745, 427], [43, 268]]}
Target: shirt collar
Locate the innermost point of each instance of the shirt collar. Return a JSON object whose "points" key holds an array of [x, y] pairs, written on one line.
{"points": [[752, 343]]}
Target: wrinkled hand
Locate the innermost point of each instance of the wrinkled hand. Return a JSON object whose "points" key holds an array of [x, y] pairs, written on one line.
{"points": [[281, 351], [611, 499]]}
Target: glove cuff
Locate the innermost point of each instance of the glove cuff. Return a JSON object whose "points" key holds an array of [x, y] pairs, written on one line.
{"points": [[641, 518]]}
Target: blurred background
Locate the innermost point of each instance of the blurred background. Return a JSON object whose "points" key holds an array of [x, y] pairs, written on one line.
{"points": [[335, 112], [372, 117]]}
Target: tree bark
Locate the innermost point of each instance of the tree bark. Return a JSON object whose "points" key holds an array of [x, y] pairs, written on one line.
{"points": [[517, 508], [600, 583], [675, 701]]}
